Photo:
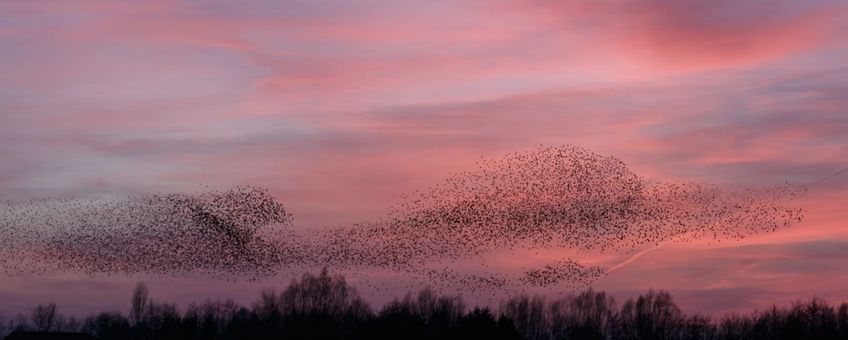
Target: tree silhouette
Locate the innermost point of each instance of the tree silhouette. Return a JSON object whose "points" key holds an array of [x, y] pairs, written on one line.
{"points": [[589, 315], [211, 319], [321, 306], [44, 317], [107, 326], [325, 306], [478, 324], [139, 303], [528, 314], [651, 316]]}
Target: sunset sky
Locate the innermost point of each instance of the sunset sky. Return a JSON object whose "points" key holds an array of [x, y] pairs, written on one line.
{"points": [[338, 107]]}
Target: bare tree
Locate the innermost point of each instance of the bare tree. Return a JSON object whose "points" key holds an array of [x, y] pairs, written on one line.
{"points": [[321, 295], [588, 315], [44, 317], [433, 308], [139, 303], [528, 314], [651, 316]]}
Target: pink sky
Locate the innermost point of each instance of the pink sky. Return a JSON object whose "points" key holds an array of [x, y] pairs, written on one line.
{"points": [[338, 107]]}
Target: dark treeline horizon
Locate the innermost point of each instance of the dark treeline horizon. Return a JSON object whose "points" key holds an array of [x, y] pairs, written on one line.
{"points": [[325, 306]]}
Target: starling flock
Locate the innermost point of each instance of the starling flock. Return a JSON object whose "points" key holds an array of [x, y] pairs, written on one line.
{"points": [[549, 198], [212, 232], [567, 271]]}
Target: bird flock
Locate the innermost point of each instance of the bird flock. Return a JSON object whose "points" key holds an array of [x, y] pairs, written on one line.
{"points": [[563, 197], [216, 232], [568, 271]]}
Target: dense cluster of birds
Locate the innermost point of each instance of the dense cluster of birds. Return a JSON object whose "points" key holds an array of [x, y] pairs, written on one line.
{"points": [[548, 198], [553, 197], [215, 232], [568, 271], [444, 278]]}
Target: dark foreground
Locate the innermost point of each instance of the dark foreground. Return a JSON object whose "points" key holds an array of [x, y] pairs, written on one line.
{"points": [[326, 307]]}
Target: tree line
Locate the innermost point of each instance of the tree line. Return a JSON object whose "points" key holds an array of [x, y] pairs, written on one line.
{"points": [[325, 306]]}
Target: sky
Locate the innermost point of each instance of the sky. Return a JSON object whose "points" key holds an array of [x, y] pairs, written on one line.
{"points": [[338, 107]]}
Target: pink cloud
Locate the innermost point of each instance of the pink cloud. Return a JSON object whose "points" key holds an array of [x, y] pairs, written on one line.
{"points": [[694, 35]]}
